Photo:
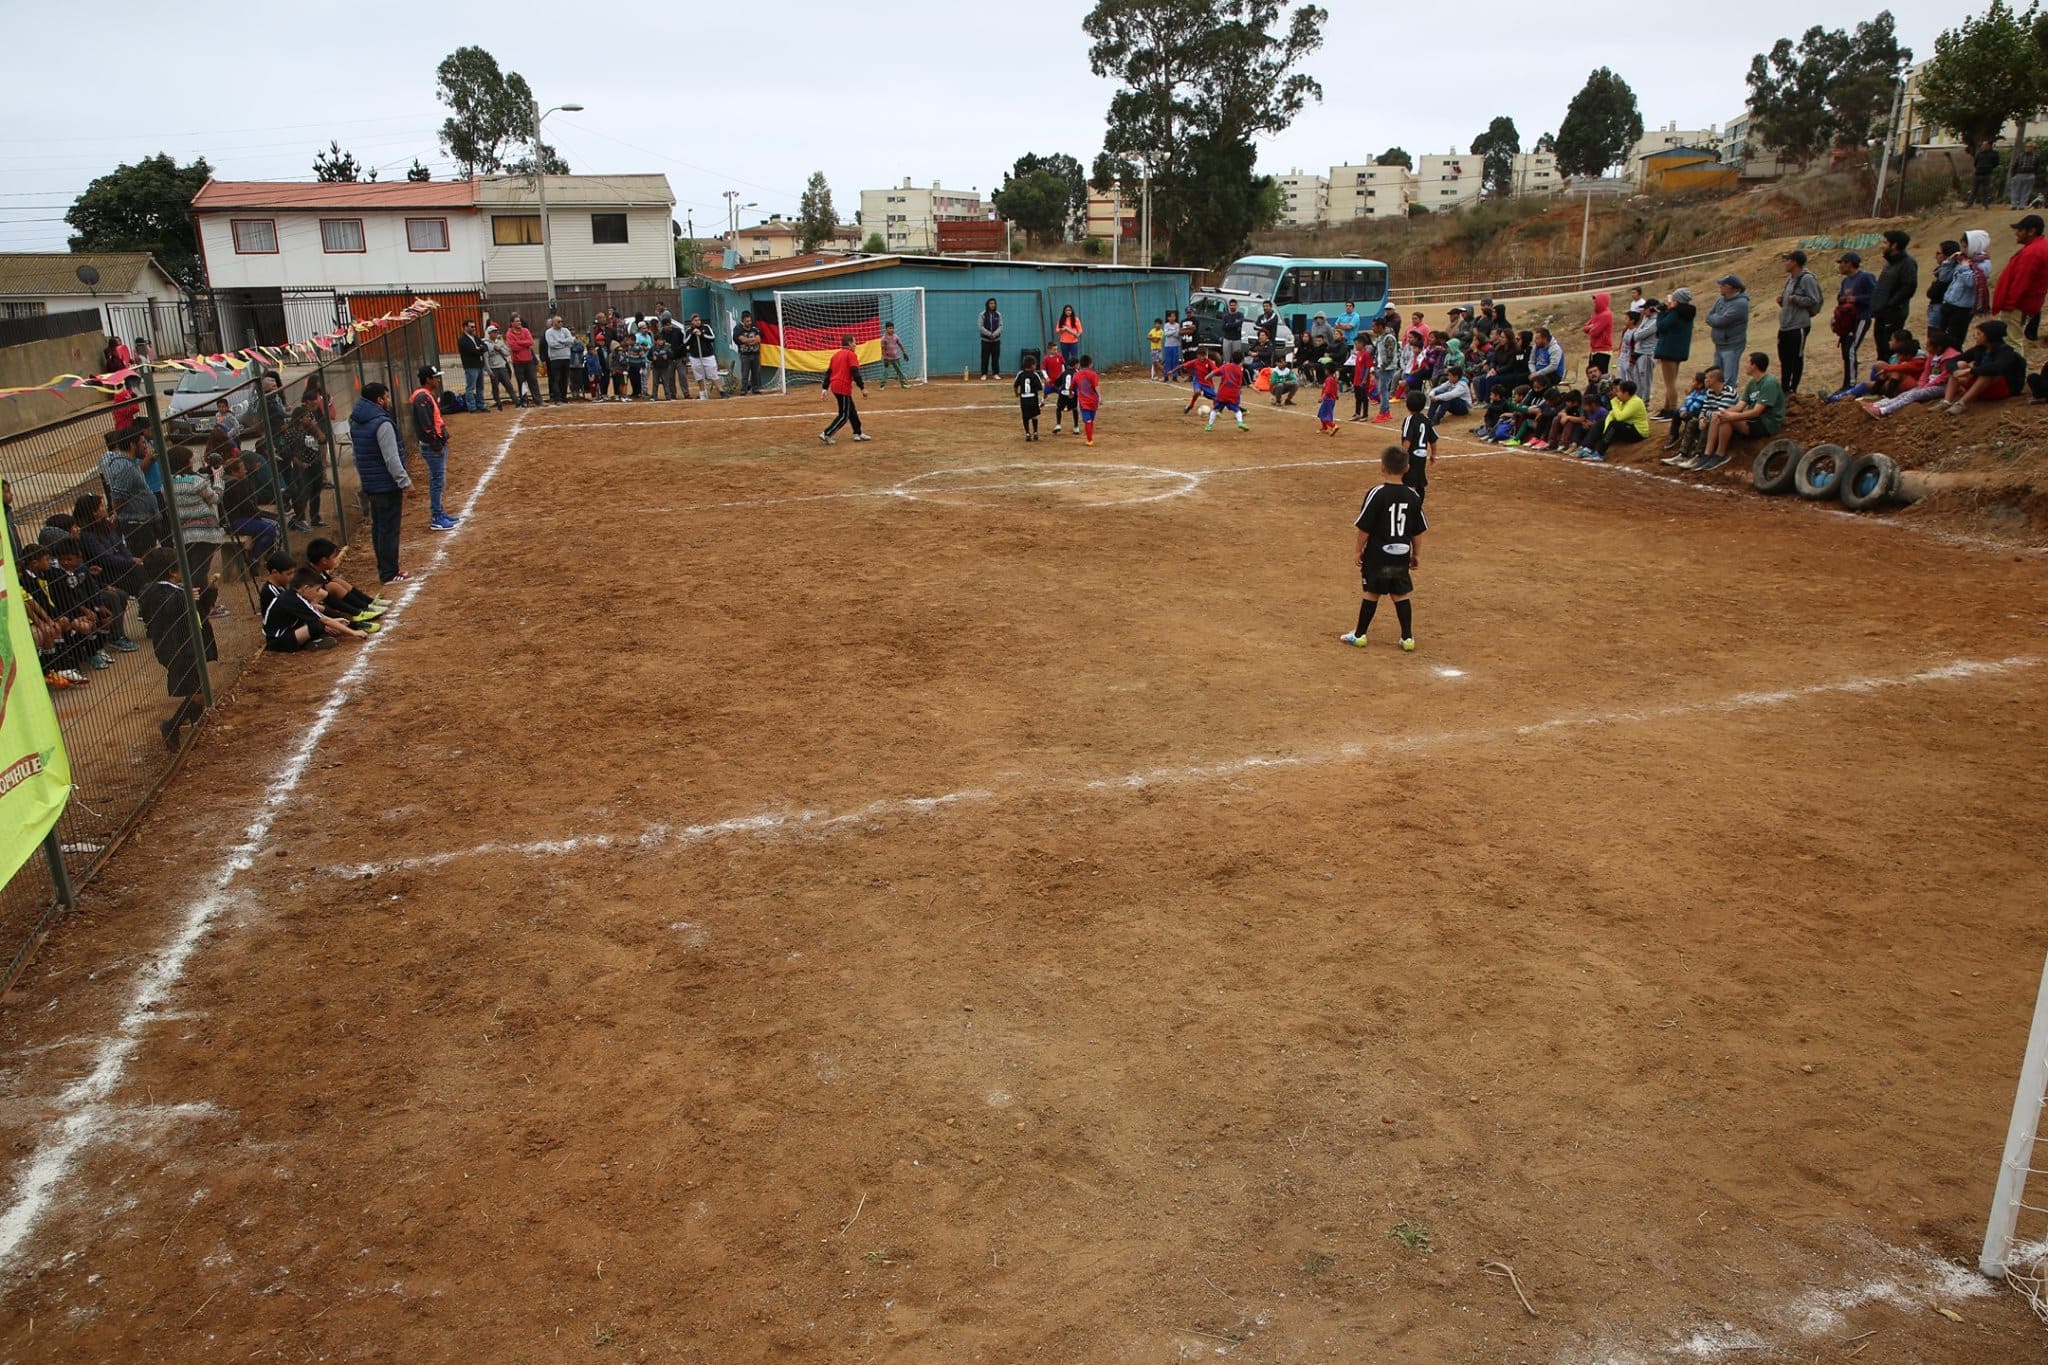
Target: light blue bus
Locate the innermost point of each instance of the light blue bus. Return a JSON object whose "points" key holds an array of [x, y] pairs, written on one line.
{"points": [[1298, 287]]}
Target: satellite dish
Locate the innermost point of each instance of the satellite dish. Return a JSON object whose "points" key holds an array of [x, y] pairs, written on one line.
{"points": [[88, 276]]}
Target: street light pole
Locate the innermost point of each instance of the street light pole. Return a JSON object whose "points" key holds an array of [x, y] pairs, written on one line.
{"points": [[540, 180]]}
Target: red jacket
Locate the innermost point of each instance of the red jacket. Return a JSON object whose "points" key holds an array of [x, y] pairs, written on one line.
{"points": [[519, 341], [844, 372], [1599, 328], [2023, 284]]}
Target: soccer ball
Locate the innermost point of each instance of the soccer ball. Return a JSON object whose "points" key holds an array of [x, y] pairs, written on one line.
{"points": [[1205, 410]]}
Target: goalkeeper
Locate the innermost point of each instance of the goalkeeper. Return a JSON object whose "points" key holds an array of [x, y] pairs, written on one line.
{"points": [[842, 377]]}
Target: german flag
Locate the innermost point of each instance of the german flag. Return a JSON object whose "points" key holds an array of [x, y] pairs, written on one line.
{"points": [[810, 347]]}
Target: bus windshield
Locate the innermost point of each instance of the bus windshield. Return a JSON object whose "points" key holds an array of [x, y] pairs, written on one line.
{"points": [[1256, 280]]}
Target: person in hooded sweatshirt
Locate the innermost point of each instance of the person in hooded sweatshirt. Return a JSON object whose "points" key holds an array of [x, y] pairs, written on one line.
{"points": [[1599, 330], [1728, 324], [1969, 287]]}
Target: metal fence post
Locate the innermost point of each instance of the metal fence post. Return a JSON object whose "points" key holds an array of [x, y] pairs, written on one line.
{"points": [[280, 472], [334, 453], [170, 509], [60, 876]]}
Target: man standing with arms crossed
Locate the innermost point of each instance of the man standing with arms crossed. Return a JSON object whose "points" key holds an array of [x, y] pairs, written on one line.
{"points": [[380, 466], [1898, 284], [842, 377]]}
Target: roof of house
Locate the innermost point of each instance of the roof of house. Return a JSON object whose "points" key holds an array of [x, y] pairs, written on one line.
{"points": [[641, 190], [1707, 152], [788, 272], [56, 272], [219, 195]]}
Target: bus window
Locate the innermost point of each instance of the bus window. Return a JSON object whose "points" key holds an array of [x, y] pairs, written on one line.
{"points": [[1288, 290], [1374, 287]]}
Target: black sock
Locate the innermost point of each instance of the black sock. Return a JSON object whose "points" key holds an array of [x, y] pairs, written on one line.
{"points": [[1406, 611], [1365, 611]]}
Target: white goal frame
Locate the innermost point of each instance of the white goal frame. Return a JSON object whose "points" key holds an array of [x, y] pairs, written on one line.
{"points": [[2022, 1143], [903, 307]]}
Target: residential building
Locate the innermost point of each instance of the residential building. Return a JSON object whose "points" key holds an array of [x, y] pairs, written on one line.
{"points": [[1663, 140], [778, 239], [1106, 211], [1304, 199], [1683, 170], [1535, 174], [907, 215], [1925, 134], [1739, 147], [36, 284], [1451, 181], [1368, 192], [287, 259]]}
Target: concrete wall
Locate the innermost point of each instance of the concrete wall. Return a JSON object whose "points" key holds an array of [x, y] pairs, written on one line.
{"points": [[36, 361]]}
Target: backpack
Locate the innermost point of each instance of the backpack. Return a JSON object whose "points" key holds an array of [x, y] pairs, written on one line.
{"points": [[1844, 321], [1503, 429]]}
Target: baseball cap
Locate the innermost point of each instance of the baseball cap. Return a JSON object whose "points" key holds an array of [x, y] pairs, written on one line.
{"points": [[1795, 256], [1850, 258], [1732, 281], [2032, 220], [428, 372]]}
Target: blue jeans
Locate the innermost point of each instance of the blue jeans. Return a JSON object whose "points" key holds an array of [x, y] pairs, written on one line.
{"points": [[1169, 360], [1730, 362], [1070, 351], [262, 533], [473, 389], [437, 478], [1387, 378]]}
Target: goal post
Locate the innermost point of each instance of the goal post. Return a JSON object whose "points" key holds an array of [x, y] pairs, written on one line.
{"points": [[799, 340], [2023, 1263]]}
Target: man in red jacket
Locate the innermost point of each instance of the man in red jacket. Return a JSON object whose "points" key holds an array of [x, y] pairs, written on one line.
{"points": [[2023, 284], [842, 377]]}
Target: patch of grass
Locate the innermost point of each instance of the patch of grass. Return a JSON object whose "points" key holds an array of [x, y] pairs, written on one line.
{"points": [[879, 1256], [603, 1336], [1318, 1263], [1414, 1236]]}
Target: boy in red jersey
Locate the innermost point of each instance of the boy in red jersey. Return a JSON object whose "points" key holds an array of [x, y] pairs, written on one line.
{"points": [[1198, 368], [1326, 412], [1229, 394], [1088, 394], [842, 377]]}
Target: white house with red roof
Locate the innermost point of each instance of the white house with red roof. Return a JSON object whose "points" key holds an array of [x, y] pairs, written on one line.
{"points": [[289, 257]]}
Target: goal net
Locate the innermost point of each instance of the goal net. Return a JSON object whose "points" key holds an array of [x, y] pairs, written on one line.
{"points": [[2016, 1235], [807, 325]]}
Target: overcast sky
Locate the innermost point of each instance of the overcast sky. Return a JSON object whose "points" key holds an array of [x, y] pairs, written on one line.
{"points": [[728, 96]]}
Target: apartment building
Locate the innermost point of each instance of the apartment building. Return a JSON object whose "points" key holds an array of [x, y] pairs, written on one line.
{"points": [[908, 215], [1367, 192], [1304, 199], [1663, 140], [1451, 181]]}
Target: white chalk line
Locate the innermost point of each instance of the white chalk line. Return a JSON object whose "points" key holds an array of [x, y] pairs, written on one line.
{"points": [[868, 415], [817, 821], [83, 1112], [1921, 1279]]}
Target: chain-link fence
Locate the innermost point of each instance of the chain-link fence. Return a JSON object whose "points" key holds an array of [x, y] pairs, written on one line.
{"points": [[217, 469]]}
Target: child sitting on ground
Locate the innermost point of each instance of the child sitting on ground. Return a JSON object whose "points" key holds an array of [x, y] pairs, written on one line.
{"points": [[278, 568], [292, 620], [80, 598], [1933, 383], [1715, 393], [1889, 378], [76, 634], [345, 598], [1567, 430]]}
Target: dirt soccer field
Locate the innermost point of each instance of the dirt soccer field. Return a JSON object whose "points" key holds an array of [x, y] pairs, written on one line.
{"points": [[948, 899]]}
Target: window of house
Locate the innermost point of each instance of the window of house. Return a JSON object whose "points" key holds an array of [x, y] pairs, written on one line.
{"points": [[254, 236], [608, 229], [426, 234], [23, 308], [341, 235], [515, 229]]}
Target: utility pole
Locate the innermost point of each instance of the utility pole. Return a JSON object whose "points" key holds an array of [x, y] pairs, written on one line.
{"points": [[540, 180], [1585, 229], [1884, 162], [1145, 204], [1116, 218]]}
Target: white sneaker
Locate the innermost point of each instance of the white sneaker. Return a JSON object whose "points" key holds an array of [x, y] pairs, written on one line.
{"points": [[826, 439], [863, 438]]}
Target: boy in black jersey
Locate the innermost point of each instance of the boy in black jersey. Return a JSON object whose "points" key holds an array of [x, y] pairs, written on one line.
{"points": [[1418, 438], [292, 621], [1030, 387], [1389, 525]]}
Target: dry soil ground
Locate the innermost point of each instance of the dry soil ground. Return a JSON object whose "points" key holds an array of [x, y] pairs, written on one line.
{"points": [[952, 899]]}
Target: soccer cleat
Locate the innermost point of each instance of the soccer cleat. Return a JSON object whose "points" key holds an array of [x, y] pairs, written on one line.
{"points": [[1408, 646], [1090, 441], [1513, 442], [56, 682], [73, 676], [370, 627], [1055, 428], [863, 437], [1355, 640], [362, 616], [1241, 426], [1210, 425]]}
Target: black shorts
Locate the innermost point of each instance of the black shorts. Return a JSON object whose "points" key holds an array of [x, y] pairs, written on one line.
{"points": [[1387, 580], [1417, 476]]}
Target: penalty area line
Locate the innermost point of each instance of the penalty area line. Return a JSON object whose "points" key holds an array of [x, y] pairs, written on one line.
{"points": [[766, 824]]}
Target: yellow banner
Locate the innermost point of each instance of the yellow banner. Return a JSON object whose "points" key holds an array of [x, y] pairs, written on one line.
{"points": [[817, 362], [35, 773]]}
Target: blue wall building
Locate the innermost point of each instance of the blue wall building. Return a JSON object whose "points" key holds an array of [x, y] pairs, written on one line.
{"points": [[1116, 304]]}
